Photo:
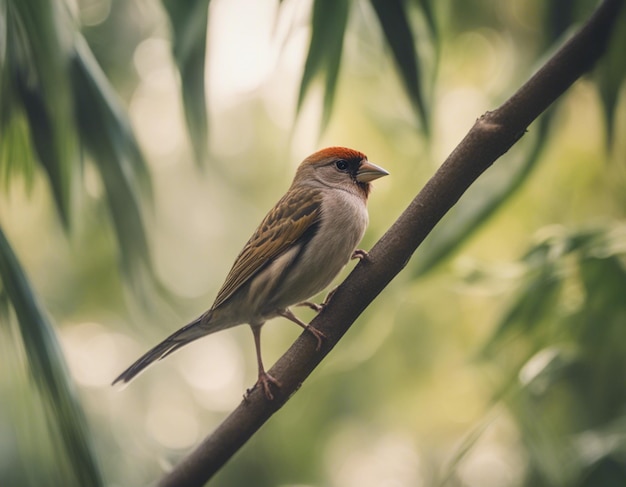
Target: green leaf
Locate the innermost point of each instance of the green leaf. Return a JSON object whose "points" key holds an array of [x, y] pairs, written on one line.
{"points": [[107, 135], [429, 16], [16, 155], [610, 76], [559, 17], [604, 280], [549, 453], [324, 57], [394, 21], [480, 202], [556, 242], [189, 25], [531, 307], [36, 79], [48, 368], [465, 448], [6, 98], [546, 367]]}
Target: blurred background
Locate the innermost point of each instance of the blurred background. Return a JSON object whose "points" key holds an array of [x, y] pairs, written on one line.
{"points": [[142, 142]]}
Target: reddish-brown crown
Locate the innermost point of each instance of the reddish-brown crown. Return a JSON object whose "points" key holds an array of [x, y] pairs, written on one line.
{"points": [[334, 152]]}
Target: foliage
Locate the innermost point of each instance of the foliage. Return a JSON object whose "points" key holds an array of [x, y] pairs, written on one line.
{"points": [[50, 80], [559, 351], [189, 25], [556, 352], [49, 370]]}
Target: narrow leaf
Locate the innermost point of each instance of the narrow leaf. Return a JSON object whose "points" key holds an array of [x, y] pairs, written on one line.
{"points": [[36, 62], [48, 368], [324, 57], [394, 21], [480, 202], [532, 304], [189, 25], [109, 139], [611, 74], [559, 17], [16, 155], [429, 15], [611, 71], [6, 91]]}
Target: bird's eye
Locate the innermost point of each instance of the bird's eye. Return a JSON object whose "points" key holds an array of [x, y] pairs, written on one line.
{"points": [[341, 165]]}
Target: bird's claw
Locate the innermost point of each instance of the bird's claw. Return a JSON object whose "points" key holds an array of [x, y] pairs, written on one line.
{"points": [[360, 254], [314, 306], [329, 296], [317, 334], [319, 307], [264, 380]]}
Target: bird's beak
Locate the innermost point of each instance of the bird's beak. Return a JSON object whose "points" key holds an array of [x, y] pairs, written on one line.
{"points": [[368, 172]]}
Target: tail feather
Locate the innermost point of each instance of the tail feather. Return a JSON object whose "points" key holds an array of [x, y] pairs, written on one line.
{"points": [[176, 340]]}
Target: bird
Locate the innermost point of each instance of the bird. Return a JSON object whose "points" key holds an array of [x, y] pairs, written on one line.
{"points": [[300, 246]]}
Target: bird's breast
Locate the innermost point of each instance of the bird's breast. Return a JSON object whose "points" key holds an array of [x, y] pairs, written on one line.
{"points": [[340, 229], [343, 223]]}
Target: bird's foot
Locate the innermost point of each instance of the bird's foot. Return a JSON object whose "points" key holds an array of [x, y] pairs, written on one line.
{"points": [[265, 380], [318, 307], [329, 296], [360, 254], [314, 306], [317, 334]]}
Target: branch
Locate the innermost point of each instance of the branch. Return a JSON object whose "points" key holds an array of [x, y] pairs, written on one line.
{"points": [[490, 137]]}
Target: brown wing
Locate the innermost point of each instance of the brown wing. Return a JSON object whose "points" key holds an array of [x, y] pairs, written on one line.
{"points": [[283, 225]]}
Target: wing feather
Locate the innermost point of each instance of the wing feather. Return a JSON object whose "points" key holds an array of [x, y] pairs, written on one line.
{"points": [[287, 222]]}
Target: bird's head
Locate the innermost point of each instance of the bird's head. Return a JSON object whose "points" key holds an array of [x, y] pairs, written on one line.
{"points": [[341, 168]]}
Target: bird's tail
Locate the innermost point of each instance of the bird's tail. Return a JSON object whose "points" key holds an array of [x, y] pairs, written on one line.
{"points": [[176, 340]]}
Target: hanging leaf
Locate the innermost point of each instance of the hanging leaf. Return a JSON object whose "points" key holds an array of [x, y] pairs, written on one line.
{"points": [[324, 57], [394, 21], [48, 368], [16, 155], [189, 27], [559, 17], [36, 76], [107, 135], [429, 16], [537, 296], [480, 202], [611, 74]]}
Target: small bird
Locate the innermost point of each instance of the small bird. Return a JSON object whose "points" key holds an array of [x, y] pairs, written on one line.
{"points": [[297, 250]]}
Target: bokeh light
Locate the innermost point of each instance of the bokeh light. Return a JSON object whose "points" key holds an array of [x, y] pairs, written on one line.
{"points": [[396, 399]]}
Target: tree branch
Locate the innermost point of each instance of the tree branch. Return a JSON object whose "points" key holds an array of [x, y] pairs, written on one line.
{"points": [[491, 136]]}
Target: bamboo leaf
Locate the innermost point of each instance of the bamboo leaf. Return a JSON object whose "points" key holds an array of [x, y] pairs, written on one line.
{"points": [[48, 368], [559, 17], [107, 135], [189, 25], [394, 21], [16, 155], [611, 74], [611, 71], [36, 69], [536, 297], [465, 448], [429, 15], [6, 94], [324, 57], [479, 203]]}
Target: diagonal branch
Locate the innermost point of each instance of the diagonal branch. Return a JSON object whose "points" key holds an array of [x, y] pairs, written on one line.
{"points": [[491, 136]]}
